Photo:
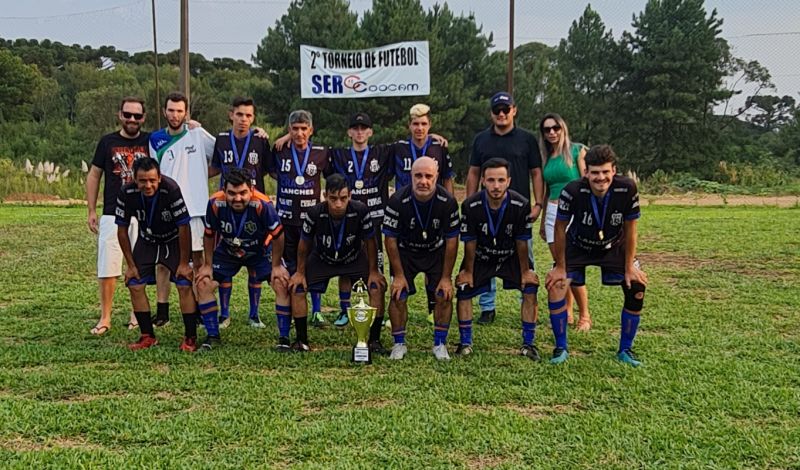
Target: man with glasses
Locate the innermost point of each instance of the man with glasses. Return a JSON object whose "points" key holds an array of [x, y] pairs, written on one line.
{"points": [[517, 146]]}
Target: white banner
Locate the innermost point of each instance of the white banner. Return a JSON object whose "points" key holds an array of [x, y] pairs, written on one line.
{"points": [[400, 69]]}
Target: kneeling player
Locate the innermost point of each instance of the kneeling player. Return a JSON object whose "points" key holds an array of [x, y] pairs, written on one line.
{"points": [[164, 238], [242, 230], [341, 233], [495, 229], [605, 207]]}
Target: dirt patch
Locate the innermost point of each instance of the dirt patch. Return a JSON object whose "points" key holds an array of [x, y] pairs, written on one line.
{"points": [[684, 261], [480, 462], [40, 199], [22, 444], [530, 411], [718, 200]]}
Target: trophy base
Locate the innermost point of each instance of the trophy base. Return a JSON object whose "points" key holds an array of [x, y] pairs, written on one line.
{"points": [[361, 355]]}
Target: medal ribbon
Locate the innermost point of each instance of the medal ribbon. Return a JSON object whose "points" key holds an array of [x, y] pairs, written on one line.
{"points": [[301, 170], [599, 221], [414, 148], [240, 225], [338, 240], [419, 218], [492, 226], [149, 215], [240, 160], [359, 169]]}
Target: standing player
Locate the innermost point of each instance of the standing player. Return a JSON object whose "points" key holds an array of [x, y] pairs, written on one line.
{"points": [[242, 230], [183, 155], [338, 239], [421, 229], [605, 207], [495, 229], [113, 159], [164, 239], [503, 139], [240, 147]]}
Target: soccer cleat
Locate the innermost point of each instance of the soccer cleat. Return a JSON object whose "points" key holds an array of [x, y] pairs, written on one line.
{"points": [[283, 344], [144, 342], [224, 322], [530, 351], [487, 316], [189, 344], [375, 347], [559, 356], [317, 320], [299, 346], [440, 352], [160, 322], [399, 351], [627, 357], [211, 342], [341, 320], [464, 350], [430, 318], [256, 323]]}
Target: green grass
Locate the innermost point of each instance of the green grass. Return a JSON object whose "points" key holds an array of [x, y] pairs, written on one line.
{"points": [[720, 337]]}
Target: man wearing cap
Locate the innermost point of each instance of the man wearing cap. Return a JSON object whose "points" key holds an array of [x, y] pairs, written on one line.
{"points": [[519, 147]]}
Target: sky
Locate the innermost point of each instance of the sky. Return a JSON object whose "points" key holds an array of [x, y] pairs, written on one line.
{"points": [[233, 28]]}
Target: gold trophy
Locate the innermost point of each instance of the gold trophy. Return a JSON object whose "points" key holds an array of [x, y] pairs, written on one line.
{"points": [[361, 316]]}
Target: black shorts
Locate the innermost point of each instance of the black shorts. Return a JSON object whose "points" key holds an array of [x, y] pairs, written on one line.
{"points": [[483, 273], [429, 263], [291, 240], [611, 263], [147, 255], [319, 273]]}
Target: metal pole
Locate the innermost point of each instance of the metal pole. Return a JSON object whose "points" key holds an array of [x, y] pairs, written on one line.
{"points": [[155, 63], [185, 50], [510, 73]]}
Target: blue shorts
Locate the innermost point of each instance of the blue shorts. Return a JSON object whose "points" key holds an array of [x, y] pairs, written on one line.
{"points": [[226, 266]]}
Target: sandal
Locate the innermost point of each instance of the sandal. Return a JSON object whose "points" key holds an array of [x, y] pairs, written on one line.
{"points": [[99, 330]]}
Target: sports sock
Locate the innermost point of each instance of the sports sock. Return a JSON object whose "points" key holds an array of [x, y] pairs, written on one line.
{"points": [[375, 329], [283, 315], [465, 331], [190, 324], [162, 310], [301, 329], [225, 289], [344, 301], [254, 290], [528, 332], [316, 302], [399, 335], [629, 325], [145, 322], [208, 313], [440, 333], [558, 321]]}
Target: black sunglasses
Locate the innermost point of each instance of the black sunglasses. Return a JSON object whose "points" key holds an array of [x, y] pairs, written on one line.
{"points": [[501, 109], [547, 129], [136, 116]]}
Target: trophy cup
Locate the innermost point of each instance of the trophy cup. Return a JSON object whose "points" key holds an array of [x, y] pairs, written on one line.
{"points": [[361, 316]]}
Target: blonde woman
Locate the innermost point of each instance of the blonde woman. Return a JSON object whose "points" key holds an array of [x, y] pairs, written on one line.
{"points": [[562, 162]]}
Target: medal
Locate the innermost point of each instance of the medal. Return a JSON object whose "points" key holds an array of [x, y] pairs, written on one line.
{"points": [[358, 167], [494, 241], [494, 227], [336, 255], [149, 232], [239, 160], [300, 169], [148, 215], [237, 242], [299, 180], [424, 234], [337, 240], [600, 220], [359, 184], [600, 234], [419, 218]]}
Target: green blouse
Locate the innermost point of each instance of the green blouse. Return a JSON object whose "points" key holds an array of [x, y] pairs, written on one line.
{"points": [[557, 174]]}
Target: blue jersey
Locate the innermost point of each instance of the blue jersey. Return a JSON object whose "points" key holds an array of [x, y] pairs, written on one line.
{"points": [[242, 234]]}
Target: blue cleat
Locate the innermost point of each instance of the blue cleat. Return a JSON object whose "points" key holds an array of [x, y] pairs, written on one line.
{"points": [[341, 321], [627, 357], [559, 356]]}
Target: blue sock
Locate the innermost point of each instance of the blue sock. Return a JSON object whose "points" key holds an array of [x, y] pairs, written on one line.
{"points": [[225, 289], [208, 313], [254, 289], [283, 314], [344, 301], [465, 331], [399, 336], [528, 332], [316, 302], [630, 323], [558, 321], [440, 333]]}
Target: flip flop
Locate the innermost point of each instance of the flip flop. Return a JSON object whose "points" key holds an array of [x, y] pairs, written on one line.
{"points": [[99, 330]]}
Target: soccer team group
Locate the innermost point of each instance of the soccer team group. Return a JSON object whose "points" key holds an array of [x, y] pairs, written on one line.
{"points": [[158, 217]]}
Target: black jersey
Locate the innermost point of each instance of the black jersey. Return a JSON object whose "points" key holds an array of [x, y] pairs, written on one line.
{"points": [[421, 226], [338, 241], [159, 216], [496, 231], [405, 153], [115, 155], [299, 175], [251, 153], [597, 223], [373, 168]]}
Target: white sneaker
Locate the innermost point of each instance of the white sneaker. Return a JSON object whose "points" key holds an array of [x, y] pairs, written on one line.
{"points": [[226, 322], [257, 323], [440, 351], [387, 323], [398, 351]]}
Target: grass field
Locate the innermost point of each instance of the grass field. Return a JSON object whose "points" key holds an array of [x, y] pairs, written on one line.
{"points": [[720, 337]]}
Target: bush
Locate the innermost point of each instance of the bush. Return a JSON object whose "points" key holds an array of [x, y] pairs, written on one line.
{"points": [[45, 178]]}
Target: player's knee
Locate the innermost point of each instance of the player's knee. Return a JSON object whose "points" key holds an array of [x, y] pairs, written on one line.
{"points": [[634, 297], [184, 289], [136, 288]]}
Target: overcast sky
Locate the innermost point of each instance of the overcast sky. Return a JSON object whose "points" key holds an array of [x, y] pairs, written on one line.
{"points": [[766, 30]]}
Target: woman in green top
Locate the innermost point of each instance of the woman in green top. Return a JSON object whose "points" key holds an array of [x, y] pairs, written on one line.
{"points": [[562, 162]]}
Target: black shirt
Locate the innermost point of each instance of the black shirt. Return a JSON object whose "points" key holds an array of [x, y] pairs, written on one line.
{"points": [[254, 159], [115, 155], [377, 171], [514, 224], [159, 216], [518, 147], [418, 226], [295, 199], [338, 241], [621, 203], [405, 153]]}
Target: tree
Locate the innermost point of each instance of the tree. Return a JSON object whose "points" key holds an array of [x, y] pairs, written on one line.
{"points": [[771, 112], [18, 82]]}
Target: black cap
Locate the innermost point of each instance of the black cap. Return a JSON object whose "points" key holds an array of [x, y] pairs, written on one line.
{"points": [[502, 98], [360, 119]]}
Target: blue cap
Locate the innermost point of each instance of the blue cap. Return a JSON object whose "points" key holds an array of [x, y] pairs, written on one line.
{"points": [[502, 98]]}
